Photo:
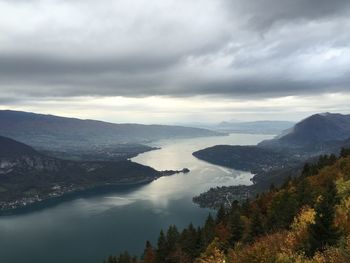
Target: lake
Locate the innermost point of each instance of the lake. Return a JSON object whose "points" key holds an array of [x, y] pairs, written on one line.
{"points": [[89, 228]]}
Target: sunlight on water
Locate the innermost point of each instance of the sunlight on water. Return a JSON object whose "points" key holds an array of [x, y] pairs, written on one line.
{"points": [[88, 229]]}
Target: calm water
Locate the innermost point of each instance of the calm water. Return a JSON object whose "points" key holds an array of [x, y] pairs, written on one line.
{"points": [[89, 229]]}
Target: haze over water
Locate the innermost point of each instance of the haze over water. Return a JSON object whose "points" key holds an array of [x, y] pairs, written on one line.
{"points": [[88, 229]]}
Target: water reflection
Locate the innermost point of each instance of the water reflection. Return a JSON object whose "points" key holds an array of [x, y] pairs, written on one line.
{"points": [[90, 228], [177, 154]]}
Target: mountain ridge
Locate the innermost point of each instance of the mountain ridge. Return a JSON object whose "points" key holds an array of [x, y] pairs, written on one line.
{"points": [[313, 134], [264, 126], [272, 161], [50, 132]]}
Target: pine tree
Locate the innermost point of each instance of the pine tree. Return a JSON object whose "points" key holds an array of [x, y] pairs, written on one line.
{"points": [[282, 210], [332, 159], [207, 232], [111, 259], [323, 232], [245, 207], [172, 238], [221, 214], [306, 170], [344, 152], [236, 227], [124, 258], [190, 242], [162, 248], [303, 192], [256, 227]]}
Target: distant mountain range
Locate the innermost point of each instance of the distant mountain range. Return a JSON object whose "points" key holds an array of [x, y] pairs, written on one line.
{"points": [[255, 127], [60, 134], [250, 127]]}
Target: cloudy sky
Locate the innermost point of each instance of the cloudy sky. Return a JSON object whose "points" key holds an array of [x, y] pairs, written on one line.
{"points": [[175, 61]]}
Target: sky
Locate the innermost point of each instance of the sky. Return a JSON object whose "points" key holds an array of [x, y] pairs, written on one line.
{"points": [[175, 61]]}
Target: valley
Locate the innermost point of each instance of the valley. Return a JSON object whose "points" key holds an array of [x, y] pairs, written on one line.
{"points": [[170, 131], [176, 180], [110, 215]]}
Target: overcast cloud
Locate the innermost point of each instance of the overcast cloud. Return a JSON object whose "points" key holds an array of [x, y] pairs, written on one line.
{"points": [[238, 49]]}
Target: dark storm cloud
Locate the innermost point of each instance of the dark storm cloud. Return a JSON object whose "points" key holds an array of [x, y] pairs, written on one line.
{"points": [[239, 48], [265, 13], [38, 64]]}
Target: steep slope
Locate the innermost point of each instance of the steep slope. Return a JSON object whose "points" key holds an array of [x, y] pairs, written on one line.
{"points": [[274, 160], [305, 220], [12, 148], [315, 134], [53, 132]]}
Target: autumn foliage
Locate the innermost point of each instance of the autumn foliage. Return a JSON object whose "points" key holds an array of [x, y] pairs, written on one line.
{"points": [[307, 220]]}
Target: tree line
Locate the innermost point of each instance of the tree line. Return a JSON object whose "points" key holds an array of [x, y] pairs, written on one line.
{"points": [[298, 217]]}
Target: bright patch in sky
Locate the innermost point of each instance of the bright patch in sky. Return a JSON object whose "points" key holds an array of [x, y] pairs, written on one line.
{"points": [[175, 61]]}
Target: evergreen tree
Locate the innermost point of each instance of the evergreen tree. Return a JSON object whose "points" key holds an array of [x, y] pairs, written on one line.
{"points": [[303, 192], [344, 152], [272, 187], [236, 227], [332, 159], [282, 210], [207, 232], [111, 259], [256, 227], [161, 248], [234, 208], [125, 258], [221, 214], [323, 232], [245, 207], [172, 238], [190, 242], [306, 170]]}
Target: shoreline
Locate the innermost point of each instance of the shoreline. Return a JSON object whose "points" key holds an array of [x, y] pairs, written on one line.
{"points": [[54, 199]]}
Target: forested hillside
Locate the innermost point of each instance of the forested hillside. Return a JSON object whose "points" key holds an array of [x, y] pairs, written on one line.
{"points": [[28, 177], [54, 133], [305, 220]]}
